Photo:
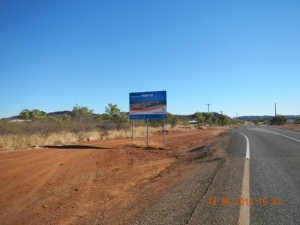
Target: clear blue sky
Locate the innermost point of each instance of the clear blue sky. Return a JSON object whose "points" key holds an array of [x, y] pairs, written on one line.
{"points": [[240, 56]]}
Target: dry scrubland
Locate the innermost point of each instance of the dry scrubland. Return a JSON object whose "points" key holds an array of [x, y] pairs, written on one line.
{"points": [[19, 141], [39, 129]]}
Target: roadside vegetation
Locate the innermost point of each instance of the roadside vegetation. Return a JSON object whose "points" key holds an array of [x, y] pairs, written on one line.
{"points": [[278, 120], [275, 120], [36, 128], [297, 121]]}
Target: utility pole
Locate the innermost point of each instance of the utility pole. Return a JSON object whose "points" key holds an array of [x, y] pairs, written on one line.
{"points": [[208, 107], [275, 110]]}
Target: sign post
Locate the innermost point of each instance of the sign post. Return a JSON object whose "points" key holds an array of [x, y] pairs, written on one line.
{"points": [[164, 133], [147, 134], [132, 131], [148, 105]]}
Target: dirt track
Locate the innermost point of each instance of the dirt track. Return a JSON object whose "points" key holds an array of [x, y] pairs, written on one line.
{"points": [[105, 182]]}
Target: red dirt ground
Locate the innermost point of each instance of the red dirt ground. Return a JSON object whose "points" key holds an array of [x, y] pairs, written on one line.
{"points": [[295, 127], [103, 182]]}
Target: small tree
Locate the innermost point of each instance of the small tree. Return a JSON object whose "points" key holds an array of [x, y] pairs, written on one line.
{"points": [[214, 119], [297, 121], [208, 119], [25, 114], [199, 117], [114, 114], [81, 114], [185, 121], [172, 119], [112, 109], [224, 120], [36, 114], [278, 120]]}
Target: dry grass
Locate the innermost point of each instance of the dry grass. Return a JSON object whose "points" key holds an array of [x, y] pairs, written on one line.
{"points": [[182, 128], [8, 142], [60, 138], [19, 141], [13, 142], [152, 144], [138, 132], [115, 134]]}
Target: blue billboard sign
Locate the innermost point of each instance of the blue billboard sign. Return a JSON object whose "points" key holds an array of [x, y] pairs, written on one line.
{"points": [[148, 105]]}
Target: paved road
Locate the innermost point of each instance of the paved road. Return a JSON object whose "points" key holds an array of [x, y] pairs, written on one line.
{"points": [[264, 189], [273, 180], [274, 175]]}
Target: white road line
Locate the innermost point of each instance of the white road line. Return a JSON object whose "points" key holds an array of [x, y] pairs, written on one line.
{"points": [[247, 147], [271, 132], [244, 218], [282, 135]]}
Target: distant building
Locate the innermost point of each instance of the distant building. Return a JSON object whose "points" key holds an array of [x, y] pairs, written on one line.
{"points": [[193, 122]]}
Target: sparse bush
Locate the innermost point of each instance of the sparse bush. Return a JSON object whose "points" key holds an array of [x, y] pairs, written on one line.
{"points": [[7, 128], [185, 121], [199, 117], [34, 114], [113, 126], [79, 125], [79, 129], [44, 128], [81, 114], [224, 120], [209, 121], [172, 119], [297, 121], [278, 120], [25, 114], [155, 123], [114, 114]]}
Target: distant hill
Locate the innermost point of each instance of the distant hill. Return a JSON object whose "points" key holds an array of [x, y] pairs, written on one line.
{"points": [[189, 117], [60, 113], [11, 118], [251, 118], [54, 114]]}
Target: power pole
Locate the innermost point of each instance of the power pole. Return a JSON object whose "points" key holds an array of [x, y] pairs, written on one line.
{"points": [[275, 110], [208, 107]]}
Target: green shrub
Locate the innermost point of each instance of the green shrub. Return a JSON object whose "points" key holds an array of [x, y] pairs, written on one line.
{"points": [[297, 121], [278, 120]]}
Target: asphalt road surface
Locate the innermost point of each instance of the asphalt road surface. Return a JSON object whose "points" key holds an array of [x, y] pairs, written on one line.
{"points": [[274, 175], [257, 183]]}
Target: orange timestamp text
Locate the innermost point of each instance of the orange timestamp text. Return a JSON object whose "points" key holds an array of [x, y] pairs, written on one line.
{"points": [[239, 201]]}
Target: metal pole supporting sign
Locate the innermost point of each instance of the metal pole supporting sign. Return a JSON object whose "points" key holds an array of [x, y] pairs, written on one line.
{"points": [[132, 131], [164, 134], [147, 134]]}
